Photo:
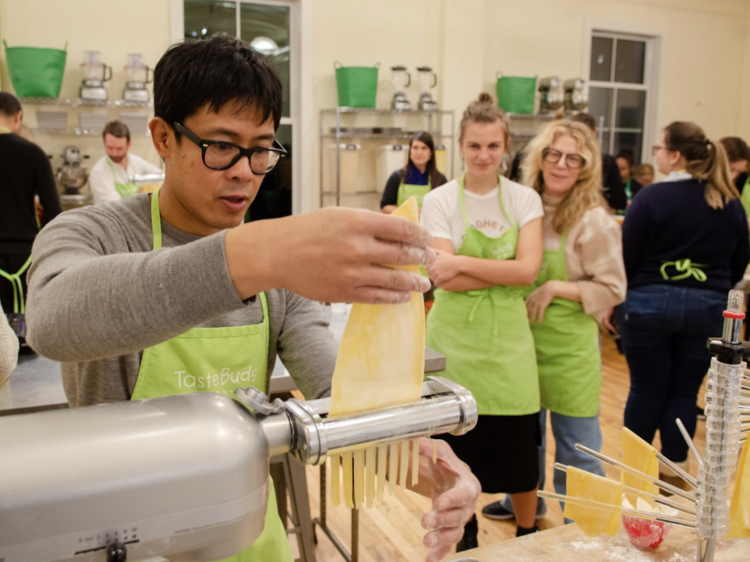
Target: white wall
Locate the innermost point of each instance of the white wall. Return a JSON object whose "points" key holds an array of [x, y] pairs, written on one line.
{"points": [[705, 66]]}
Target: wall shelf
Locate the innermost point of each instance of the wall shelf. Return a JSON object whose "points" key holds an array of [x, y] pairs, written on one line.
{"points": [[78, 102], [437, 122]]}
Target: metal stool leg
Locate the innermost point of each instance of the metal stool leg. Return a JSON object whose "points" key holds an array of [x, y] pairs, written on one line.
{"points": [[297, 487]]}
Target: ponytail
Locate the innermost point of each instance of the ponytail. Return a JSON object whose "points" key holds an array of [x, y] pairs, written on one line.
{"points": [[706, 161]]}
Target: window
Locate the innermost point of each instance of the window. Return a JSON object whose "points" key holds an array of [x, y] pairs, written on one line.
{"points": [[266, 26], [619, 91]]}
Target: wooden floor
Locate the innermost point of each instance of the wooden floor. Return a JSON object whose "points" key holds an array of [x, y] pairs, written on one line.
{"points": [[392, 532]]}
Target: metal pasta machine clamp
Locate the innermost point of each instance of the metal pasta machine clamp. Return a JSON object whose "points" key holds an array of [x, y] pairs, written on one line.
{"points": [[184, 477]]}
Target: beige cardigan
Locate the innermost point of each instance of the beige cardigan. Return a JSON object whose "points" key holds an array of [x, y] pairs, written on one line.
{"points": [[8, 348], [593, 256]]}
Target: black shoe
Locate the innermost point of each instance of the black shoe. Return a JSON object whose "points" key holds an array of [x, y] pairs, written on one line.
{"points": [[521, 532], [497, 511], [469, 540], [701, 413]]}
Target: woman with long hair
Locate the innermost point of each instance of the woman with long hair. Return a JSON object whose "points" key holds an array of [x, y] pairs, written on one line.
{"points": [[685, 245], [582, 276], [417, 178], [488, 236]]}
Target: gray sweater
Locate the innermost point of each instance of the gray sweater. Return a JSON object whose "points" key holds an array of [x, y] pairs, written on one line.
{"points": [[99, 295]]}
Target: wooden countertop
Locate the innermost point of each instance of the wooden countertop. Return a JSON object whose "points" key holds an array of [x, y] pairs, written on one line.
{"points": [[569, 544]]}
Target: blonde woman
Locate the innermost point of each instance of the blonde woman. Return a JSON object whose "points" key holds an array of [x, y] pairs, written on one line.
{"points": [[685, 246], [582, 276]]}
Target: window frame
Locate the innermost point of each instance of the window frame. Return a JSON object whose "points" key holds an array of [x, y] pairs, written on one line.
{"points": [[654, 38]]}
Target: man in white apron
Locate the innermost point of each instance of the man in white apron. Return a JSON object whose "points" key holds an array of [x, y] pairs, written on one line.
{"points": [[109, 179], [169, 293]]}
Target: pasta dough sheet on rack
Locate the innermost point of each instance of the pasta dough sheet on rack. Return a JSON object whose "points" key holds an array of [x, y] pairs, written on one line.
{"points": [[587, 486]]}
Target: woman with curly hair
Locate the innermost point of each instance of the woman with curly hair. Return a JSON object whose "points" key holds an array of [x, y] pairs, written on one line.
{"points": [[582, 276]]}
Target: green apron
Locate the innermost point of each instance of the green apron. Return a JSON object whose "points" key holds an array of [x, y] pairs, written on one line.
{"points": [[567, 348], [745, 198], [124, 189], [484, 334], [17, 318], [215, 360], [406, 190]]}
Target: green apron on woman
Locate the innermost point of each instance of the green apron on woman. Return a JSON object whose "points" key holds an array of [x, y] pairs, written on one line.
{"points": [[484, 334], [406, 190], [215, 360], [567, 348]]}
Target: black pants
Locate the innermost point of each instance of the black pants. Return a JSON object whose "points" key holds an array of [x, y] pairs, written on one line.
{"points": [[11, 264]]}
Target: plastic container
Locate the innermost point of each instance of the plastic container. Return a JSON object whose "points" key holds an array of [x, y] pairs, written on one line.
{"points": [[357, 85], [391, 157], [36, 72], [348, 169], [516, 94], [441, 160]]}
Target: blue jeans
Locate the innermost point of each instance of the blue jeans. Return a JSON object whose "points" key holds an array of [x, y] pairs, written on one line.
{"points": [[567, 431], [664, 331]]}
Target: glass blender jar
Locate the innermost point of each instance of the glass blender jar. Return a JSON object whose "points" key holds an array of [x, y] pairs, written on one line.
{"points": [[138, 75], [95, 73], [401, 80], [427, 81]]}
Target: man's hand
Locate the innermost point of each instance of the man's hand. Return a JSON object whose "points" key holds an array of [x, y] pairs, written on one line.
{"points": [[331, 255], [454, 491], [538, 301], [445, 267]]}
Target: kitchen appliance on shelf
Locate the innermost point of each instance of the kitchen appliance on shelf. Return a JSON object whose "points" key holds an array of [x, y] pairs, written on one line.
{"points": [[576, 98], [552, 94], [95, 74], [72, 177], [401, 80], [427, 81], [138, 75]]}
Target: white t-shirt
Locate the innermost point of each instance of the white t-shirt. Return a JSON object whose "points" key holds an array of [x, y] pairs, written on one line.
{"points": [[102, 182], [442, 216]]}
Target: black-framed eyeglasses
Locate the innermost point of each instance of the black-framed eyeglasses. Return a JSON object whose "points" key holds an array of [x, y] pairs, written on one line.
{"points": [[222, 155], [572, 161]]}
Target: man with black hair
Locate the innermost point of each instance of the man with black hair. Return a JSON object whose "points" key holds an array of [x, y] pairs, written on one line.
{"points": [[25, 173], [157, 295], [614, 189]]}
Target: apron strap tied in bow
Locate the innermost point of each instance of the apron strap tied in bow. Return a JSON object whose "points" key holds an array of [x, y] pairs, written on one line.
{"points": [[685, 268]]}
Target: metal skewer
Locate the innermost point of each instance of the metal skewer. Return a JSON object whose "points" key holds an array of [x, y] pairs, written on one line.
{"points": [[677, 470], [689, 441], [637, 473], [653, 497], [615, 509]]}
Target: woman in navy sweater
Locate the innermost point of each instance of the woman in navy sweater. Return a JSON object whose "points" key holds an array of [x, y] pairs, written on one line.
{"points": [[685, 245]]}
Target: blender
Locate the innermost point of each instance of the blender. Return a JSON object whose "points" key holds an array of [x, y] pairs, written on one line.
{"points": [[552, 94], [575, 95], [427, 81], [95, 73], [137, 78], [401, 80]]}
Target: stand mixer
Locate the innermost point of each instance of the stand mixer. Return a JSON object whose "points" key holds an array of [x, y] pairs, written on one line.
{"points": [[137, 78], [401, 80], [185, 476], [427, 81], [95, 73], [72, 177]]}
